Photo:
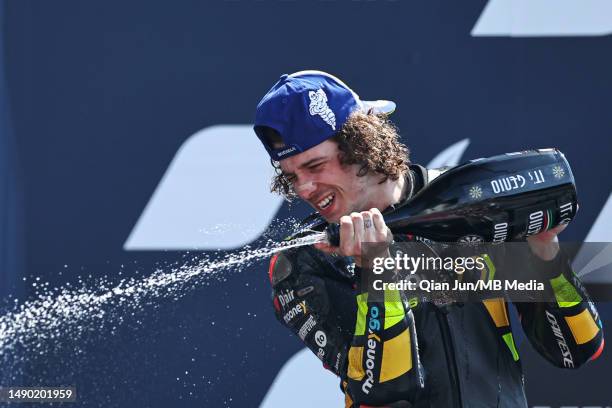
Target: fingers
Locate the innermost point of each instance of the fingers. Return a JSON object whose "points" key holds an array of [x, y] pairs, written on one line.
{"points": [[369, 229], [558, 229], [357, 228], [347, 235], [366, 226], [377, 218], [383, 233], [547, 236]]}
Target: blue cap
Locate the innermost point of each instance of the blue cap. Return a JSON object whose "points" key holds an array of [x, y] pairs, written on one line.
{"points": [[306, 108]]}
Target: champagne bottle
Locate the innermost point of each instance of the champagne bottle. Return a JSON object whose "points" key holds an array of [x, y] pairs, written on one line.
{"points": [[502, 198]]}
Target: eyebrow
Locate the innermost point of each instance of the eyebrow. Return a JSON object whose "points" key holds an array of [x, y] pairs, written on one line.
{"points": [[311, 162], [307, 164]]}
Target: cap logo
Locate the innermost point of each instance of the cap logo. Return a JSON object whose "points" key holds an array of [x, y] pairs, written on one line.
{"points": [[318, 106], [286, 151]]}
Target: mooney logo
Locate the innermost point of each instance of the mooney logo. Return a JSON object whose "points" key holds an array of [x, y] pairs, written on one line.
{"points": [[373, 342], [296, 310]]}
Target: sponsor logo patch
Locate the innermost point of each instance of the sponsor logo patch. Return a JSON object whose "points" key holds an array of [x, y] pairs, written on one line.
{"points": [[500, 232], [318, 106], [371, 350], [307, 327], [297, 310], [285, 297], [565, 213], [320, 338], [568, 360]]}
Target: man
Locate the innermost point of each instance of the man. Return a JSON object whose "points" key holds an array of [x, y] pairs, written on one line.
{"points": [[343, 157]]}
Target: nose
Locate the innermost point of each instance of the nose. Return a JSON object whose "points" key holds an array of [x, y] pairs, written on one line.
{"points": [[305, 189]]}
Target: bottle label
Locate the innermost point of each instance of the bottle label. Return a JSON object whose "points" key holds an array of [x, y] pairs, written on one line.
{"points": [[517, 182]]}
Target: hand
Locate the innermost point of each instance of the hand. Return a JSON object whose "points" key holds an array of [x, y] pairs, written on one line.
{"points": [[367, 226], [545, 245]]}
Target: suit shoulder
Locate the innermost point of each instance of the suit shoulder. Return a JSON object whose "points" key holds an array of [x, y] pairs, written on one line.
{"points": [[280, 268], [295, 262]]}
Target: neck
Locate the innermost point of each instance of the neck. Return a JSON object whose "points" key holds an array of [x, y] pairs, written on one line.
{"points": [[391, 192]]}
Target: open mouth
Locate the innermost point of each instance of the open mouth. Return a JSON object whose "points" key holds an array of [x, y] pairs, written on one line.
{"points": [[326, 201]]}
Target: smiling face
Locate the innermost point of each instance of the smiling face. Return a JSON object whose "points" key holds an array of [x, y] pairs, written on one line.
{"points": [[332, 189]]}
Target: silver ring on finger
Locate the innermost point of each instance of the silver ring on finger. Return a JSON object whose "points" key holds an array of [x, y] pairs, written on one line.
{"points": [[367, 223]]}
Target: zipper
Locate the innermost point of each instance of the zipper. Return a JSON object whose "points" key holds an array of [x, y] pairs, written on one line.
{"points": [[450, 356]]}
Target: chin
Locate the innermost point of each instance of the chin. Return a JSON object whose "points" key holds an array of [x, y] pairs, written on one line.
{"points": [[332, 220], [334, 217]]}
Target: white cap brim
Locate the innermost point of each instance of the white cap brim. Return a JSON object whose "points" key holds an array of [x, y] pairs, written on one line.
{"points": [[378, 107]]}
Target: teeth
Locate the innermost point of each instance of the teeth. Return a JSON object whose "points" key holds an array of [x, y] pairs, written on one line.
{"points": [[324, 203]]}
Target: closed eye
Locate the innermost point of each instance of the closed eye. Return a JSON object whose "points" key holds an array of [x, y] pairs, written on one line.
{"points": [[316, 166]]}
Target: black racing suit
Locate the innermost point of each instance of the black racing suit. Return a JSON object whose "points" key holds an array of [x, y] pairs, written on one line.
{"points": [[407, 353]]}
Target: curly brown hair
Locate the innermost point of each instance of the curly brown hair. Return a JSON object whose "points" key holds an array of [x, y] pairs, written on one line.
{"points": [[367, 139]]}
